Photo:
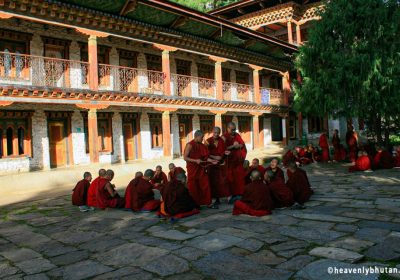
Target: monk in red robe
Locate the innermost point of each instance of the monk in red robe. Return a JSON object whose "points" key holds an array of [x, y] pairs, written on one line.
{"points": [[324, 145], [282, 196], [236, 154], [197, 157], [128, 190], [216, 172], [255, 165], [141, 194], [91, 195], [160, 178], [273, 166], [256, 199], [288, 157], [106, 195], [383, 159], [362, 163], [340, 152], [352, 143], [396, 158], [79, 195], [176, 200], [173, 171], [299, 184]]}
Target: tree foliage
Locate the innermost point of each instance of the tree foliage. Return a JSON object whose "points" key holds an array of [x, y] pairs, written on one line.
{"points": [[204, 5], [351, 63]]}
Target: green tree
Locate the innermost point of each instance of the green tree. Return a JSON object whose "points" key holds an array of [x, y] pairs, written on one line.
{"points": [[204, 5], [351, 64]]}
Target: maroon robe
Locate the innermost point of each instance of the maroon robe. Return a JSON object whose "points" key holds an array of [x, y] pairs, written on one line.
{"points": [[256, 200], [103, 197], [278, 173], [288, 157], [141, 195], [383, 160], [216, 173], [198, 183], [281, 194], [351, 141], [91, 195], [159, 179], [177, 199], [234, 164], [396, 159], [323, 143], [362, 163], [79, 195], [300, 186], [260, 168], [340, 152], [172, 175]]}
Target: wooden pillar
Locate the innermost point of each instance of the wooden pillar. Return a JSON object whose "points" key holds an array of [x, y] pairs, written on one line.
{"points": [[93, 136], [93, 64], [166, 128], [290, 32], [218, 76], [256, 83], [298, 34], [286, 87], [166, 66], [256, 129], [300, 115], [218, 118]]}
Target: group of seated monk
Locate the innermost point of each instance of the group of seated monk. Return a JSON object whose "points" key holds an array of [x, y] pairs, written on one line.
{"points": [[266, 189], [379, 158], [303, 155]]}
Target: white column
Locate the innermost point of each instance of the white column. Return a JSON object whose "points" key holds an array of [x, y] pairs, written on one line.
{"points": [[196, 123], [142, 64], [175, 135], [195, 84], [117, 138], [78, 139], [145, 136], [283, 128], [40, 141], [267, 131]]}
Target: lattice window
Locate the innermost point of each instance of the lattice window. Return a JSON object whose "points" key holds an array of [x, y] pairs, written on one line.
{"points": [[316, 124], [156, 130], [104, 132]]}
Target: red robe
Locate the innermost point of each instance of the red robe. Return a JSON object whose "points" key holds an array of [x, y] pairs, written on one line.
{"points": [[234, 164], [79, 195], [323, 143], [278, 173], [281, 194], [216, 173], [340, 152], [103, 197], [140, 196], [159, 179], [300, 186], [177, 199], [383, 160], [256, 200], [362, 163], [198, 183], [260, 168], [351, 141], [288, 157], [91, 195], [396, 159], [172, 175]]}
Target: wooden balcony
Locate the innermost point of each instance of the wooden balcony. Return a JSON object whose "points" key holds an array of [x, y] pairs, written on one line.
{"points": [[28, 70]]}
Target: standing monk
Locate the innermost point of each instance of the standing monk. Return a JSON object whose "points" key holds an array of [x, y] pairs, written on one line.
{"points": [[174, 171], [324, 144], [216, 149], [79, 195], [106, 195], [256, 200], [159, 178], [340, 153], [236, 154], [91, 196], [352, 143], [196, 156]]}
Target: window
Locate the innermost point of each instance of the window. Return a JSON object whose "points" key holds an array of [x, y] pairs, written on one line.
{"points": [[154, 62], [21, 137], [242, 77], [104, 132], [316, 124], [205, 71], [275, 82], [156, 130], [10, 136]]}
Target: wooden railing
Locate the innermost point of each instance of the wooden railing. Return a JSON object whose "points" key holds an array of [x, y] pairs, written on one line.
{"points": [[33, 70], [272, 96], [237, 92]]}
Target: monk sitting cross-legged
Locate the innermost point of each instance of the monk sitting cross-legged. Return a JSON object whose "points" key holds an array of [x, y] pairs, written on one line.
{"points": [[196, 157], [383, 159], [256, 199], [106, 195], [176, 200], [79, 195], [128, 190], [255, 165], [362, 163], [173, 171], [299, 184], [141, 193], [159, 178], [91, 195], [282, 196], [273, 166]]}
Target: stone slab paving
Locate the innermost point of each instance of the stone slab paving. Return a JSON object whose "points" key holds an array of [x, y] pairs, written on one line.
{"points": [[352, 222]]}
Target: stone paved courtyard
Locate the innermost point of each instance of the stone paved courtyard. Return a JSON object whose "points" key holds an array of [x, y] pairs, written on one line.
{"points": [[351, 221]]}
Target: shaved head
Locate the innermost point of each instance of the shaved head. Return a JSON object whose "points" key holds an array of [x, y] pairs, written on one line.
{"points": [[102, 172], [138, 174], [110, 174], [181, 177], [149, 173], [255, 175]]}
